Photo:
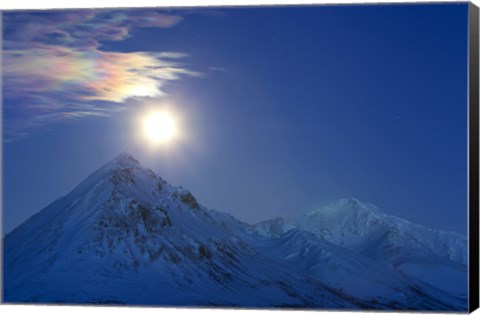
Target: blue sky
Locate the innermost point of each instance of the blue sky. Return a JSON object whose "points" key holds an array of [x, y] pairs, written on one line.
{"points": [[282, 109]]}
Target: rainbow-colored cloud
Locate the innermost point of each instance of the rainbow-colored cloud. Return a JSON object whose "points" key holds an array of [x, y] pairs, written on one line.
{"points": [[54, 67]]}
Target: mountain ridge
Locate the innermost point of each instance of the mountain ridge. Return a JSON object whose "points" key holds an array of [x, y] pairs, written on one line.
{"points": [[126, 227]]}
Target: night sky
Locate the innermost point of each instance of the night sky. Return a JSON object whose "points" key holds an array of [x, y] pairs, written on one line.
{"points": [[281, 110]]}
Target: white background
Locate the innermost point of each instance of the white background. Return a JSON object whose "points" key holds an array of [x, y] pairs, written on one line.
{"points": [[74, 310]]}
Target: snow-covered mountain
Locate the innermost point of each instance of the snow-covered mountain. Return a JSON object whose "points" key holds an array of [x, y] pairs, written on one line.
{"points": [[126, 236], [436, 257]]}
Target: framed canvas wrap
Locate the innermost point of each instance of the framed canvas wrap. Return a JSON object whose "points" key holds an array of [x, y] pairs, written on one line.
{"points": [[320, 157]]}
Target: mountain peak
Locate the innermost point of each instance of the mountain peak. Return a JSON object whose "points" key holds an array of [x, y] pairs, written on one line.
{"points": [[347, 205], [125, 158], [355, 203], [352, 201]]}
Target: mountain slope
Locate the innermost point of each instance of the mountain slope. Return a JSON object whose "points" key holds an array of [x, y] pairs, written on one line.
{"points": [[364, 229], [126, 236]]}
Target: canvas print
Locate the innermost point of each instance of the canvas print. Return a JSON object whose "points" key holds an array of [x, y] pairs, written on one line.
{"points": [[311, 157]]}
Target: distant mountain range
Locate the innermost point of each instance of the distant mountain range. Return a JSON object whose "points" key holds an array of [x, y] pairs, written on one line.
{"points": [[126, 236]]}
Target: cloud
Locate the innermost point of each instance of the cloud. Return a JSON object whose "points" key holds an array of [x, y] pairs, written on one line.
{"points": [[88, 74], [81, 28], [54, 67], [155, 19]]}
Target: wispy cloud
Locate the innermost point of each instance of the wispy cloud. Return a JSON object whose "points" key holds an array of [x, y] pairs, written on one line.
{"points": [[54, 67], [88, 74], [81, 28]]}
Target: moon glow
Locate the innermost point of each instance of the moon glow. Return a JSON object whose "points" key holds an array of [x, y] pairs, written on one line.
{"points": [[159, 127]]}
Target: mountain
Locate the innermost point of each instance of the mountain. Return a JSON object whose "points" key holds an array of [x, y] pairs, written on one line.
{"points": [[436, 257], [126, 236]]}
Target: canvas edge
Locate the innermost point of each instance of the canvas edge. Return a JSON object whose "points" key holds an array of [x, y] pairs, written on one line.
{"points": [[473, 198]]}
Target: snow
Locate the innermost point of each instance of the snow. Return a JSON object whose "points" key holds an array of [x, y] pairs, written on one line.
{"points": [[126, 236], [437, 258]]}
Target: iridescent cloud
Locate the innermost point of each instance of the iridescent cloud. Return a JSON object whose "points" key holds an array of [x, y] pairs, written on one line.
{"points": [[88, 74], [54, 67]]}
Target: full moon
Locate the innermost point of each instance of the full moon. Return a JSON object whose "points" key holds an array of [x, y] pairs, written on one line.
{"points": [[159, 127]]}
